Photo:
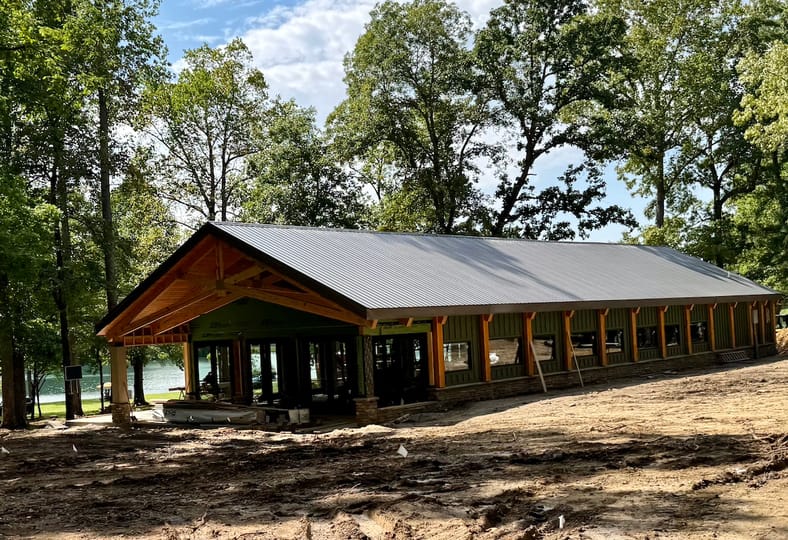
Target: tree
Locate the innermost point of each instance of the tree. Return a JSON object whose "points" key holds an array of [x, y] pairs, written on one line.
{"points": [[765, 105], [542, 63], [120, 51], [296, 180], [409, 96], [206, 122]]}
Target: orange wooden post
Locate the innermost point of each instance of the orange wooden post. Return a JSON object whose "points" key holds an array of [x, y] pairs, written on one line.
{"points": [[750, 322], [437, 351], [633, 329], [773, 329], [687, 324], [484, 333], [732, 320], [530, 361], [602, 341], [568, 339], [711, 328], [762, 318], [663, 346]]}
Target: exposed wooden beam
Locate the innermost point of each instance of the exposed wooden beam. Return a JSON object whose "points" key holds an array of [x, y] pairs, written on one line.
{"points": [[406, 322], [248, 273], [336, 313], [567, 324], [191, 313], [663, 346], [688, 326], [732, 322], [711, 328], [528, 337], [633, 332], [437, 351], [198, 296], [602, 341], [484, 337]]}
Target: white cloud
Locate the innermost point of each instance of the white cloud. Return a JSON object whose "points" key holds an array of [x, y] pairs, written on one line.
{"points": [[185, 24]]}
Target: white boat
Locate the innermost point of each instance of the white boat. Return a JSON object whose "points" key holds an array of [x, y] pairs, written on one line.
{"points": [[206, 412]]}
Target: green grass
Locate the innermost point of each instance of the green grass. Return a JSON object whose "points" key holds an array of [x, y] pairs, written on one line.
{"points": [[92, 406]]}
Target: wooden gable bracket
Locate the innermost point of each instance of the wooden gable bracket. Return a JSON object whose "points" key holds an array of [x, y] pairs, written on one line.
{"points": [[406, 322], [199, 296], [604, 312], [442, 319], [252, 271], [372, 324], [690, 307], [663, 309], [487, 317], [636, 310], [191, 313]]}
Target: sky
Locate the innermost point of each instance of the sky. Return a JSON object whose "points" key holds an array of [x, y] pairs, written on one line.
{"points": [[299, 46]]}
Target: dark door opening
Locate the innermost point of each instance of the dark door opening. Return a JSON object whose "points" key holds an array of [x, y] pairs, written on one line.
{"points": [[219, 380], [266, 358], [400, 369], [333, 378]]}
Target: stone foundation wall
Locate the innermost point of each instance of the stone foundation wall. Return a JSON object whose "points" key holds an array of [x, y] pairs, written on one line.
{"points": [[440, 398]]}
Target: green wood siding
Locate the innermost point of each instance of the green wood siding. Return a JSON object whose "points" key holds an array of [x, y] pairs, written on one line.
{"points": [[618, 319], [256, 320], [742, 324], [722, 327], [464, 328], [506, 325], [551, 324], [675, 315], [585, 321], [647, 317]]}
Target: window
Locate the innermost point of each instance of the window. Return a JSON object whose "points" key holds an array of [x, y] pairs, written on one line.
{"points": [[457, 356], [648, 338], [545, 347], [584, 343], [614, 341], [504, 351], [672, 335], [698, 332]]}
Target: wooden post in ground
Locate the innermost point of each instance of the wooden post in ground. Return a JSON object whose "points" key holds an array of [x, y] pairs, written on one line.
{"points": [[437, 351], [528, 336], [121, 408], [711, 329], [602, 341], [484, 337], [663, 346], [633, 329]]}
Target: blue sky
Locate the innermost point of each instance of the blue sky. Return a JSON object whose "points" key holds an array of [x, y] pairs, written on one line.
{"points": [[299, 46]]}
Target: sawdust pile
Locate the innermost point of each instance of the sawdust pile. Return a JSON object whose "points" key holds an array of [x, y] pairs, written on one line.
{"points": [[782, 341]]}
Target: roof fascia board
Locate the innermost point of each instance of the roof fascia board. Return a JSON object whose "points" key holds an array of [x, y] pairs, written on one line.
{"points": [[433, 311]]}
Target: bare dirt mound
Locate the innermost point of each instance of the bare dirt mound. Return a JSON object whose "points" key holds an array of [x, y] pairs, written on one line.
{"points": [[691, 456], [782, 341]]}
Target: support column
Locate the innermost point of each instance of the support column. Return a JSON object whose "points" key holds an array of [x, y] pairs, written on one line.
{"points": [[750, 324], [367, 406], [568, 339], [602, 341], [437, 351], [530, 361], [121, 408], [732, 320], [710, 328], [484, 336], [633, 332], [773, 329], [762, 318], [687, 325], [663, 346], [190, 383]]}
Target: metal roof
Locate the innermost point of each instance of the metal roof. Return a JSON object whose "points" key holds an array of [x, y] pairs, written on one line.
{"points": [[394, 274]]}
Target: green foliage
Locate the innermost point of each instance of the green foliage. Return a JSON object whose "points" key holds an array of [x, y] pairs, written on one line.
{"points": [[765, 106], [296, 179], [207, 123], [409, 86], [546, 66]]}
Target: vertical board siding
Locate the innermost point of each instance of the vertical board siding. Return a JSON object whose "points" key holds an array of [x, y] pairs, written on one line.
{"points": [[722, 327], [742, 324], [506, 325], [551, 323], [700, 314], [647, 317], [618, 319], [675, 315], [584, 321], [464, 328]]}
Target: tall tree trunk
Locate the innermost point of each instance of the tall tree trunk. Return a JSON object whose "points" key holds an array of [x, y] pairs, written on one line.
{"points": [[13, 385], [62, 237], [108, 231], [137, 357], [660, 202]]}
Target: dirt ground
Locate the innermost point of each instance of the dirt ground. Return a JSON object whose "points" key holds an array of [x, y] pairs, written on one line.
{"points": [[689, 455]]}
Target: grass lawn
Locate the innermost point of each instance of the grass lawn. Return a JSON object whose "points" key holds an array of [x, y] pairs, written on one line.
{"points": [[92, 406]]}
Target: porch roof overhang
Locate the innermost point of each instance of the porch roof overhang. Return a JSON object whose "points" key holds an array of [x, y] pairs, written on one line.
{"points": [[209, 271]]}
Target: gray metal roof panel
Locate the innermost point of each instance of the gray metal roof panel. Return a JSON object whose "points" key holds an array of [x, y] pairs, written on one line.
{"points": [[388, 271]]}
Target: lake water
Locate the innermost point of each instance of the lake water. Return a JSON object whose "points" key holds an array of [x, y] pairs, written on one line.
{"points": [[156, 379]]}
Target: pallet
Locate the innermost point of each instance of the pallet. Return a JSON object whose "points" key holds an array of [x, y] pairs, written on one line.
{"points": [[733, 356]]}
